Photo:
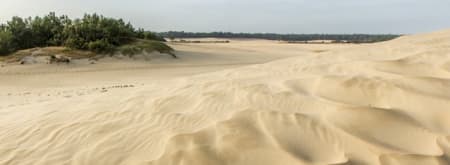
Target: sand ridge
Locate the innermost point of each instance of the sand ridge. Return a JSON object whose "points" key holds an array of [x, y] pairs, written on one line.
{"points": [[381, 104]]}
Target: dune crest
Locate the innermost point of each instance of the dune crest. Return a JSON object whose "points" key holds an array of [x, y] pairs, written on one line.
{"points": [[382, 104]]}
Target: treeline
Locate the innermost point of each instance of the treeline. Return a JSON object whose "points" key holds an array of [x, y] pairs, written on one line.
{"points": [[92, 32], [347, 38]]}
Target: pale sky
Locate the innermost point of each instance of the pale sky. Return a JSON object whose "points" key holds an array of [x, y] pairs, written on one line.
{"points": [[276, 16]]}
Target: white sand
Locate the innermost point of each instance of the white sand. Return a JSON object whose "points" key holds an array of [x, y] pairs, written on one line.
{"points": [[249, 102]]}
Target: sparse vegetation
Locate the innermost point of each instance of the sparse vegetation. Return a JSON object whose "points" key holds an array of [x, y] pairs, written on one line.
{"points": [[93, 32], [140, 45]]}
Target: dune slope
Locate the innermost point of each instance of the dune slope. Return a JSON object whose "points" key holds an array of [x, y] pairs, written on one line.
{"points": [[378, 104]]}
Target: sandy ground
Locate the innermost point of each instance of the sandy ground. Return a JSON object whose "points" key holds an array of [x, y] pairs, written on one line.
{"points": [[246, 102]]}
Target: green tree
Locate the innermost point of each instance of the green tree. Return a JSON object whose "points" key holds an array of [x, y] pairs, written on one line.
{"points": [[97, 29], [48, 31], [22, 34], [6, 42]]}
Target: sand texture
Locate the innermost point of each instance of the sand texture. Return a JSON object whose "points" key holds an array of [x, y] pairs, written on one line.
{"points": [[248, 102]]}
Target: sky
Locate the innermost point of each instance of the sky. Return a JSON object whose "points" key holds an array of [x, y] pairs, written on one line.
{"points": [[255, 16]]}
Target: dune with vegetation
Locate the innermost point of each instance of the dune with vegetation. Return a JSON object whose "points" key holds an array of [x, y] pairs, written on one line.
{"points": [[60, 38], [237, 103]]}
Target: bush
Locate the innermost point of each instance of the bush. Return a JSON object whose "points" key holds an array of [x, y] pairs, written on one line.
{"points": [[100, 46], [130, 50]]}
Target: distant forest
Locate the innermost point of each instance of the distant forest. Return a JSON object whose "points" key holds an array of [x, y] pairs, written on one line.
{"points": [[337, 38]]}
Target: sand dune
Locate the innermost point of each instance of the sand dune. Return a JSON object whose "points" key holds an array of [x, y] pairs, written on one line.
{"points": [[246, 102]]}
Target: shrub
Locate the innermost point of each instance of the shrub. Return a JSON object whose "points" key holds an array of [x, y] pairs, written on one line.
{"points": [[100, 46]]}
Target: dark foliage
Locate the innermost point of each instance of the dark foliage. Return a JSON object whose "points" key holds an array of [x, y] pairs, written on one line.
{"points": [[6, 42]]}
